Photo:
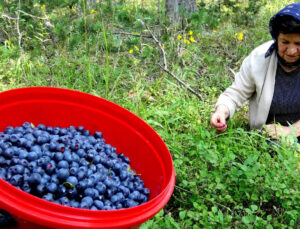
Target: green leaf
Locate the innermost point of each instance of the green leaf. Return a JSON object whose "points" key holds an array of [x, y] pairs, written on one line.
{"points": [[214, 209], [248, 219], [68, 185], [182, 214], [254, 207], [269, 217], [196, 206]]}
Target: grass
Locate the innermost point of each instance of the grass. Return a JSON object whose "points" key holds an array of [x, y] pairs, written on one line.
{"points": [[231, 180]]}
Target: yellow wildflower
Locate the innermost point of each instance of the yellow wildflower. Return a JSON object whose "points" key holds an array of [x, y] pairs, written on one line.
{"points": [[186, 41], [224, 7], [191, 32], [73, 9], [241, 36], [192, 39], [131, 51], [43, 6], [93, 11], [214, 31], [136, 48], [179, 37], [163, 46]]}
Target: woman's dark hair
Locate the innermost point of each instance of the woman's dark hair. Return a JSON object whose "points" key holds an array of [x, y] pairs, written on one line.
{"points": [[285, 24]]}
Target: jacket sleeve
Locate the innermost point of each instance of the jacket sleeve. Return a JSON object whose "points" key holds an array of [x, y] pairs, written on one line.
{"points": [[241, 89]]}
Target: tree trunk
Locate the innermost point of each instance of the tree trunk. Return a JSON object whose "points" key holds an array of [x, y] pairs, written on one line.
{"points": [[171, 10], [189, 6]]}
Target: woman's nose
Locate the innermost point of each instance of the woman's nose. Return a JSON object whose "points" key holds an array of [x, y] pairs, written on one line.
{"points": [[292, 50]]}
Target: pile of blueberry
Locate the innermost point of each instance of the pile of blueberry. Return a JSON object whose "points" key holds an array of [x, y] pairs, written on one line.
{"points": [[69, 166]]}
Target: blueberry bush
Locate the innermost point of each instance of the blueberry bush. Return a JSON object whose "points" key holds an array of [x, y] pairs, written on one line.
{"points": [[238, 179]]}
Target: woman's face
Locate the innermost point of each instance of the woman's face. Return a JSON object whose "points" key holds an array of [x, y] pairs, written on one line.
{"points": [[289, 47]]}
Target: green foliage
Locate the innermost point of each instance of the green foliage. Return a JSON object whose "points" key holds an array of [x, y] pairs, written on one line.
{"points": [[231, 180]]}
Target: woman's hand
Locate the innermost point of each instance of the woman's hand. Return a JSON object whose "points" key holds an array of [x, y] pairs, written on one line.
{"points": [[276, 131], [218, 118]]}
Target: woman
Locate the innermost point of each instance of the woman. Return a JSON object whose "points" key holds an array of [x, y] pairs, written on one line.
{"points": [[270, 79]]}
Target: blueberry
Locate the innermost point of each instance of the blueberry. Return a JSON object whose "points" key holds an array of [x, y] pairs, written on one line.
{"points": [[32, 156], [62, 190], [90, 192], [2, 160], [50, 167], [53, 146], [106, 207], [41, 126], [80, 129], [17, 169], [80, 175], [74, 170], [124, 190], [35, 178], [60, 147], [68, 156], [98, 134], [62, 173], [64, 200], [54, 179], [116, 198], [23, 154], [16, 180], [14, 138], [24, 162], [37, 149], [99, 204], [81, 153], [86, 202], [72, 180], [72, 193], [26, 187], [63, 164], [48, 196], [26, 125], [135, 195], [40, 189], [42, 139], [74, 203], [52, 187], [8, 153], [130, 203], [94, 208], [58, 156], [56, 130], [45, 147]]}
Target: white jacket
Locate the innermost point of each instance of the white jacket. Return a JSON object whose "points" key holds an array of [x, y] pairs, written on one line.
{"points": [[254, 82]]}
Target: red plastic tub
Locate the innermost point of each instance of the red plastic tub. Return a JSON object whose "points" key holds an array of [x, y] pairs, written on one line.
{"points": [[122, 129]]}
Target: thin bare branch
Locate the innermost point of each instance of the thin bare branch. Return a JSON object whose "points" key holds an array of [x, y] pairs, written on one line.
{"points": [[165, 64], [133, 34], [33, 16], [9, 17]]}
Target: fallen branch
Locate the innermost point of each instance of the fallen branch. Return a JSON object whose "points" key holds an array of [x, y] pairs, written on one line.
{"points": [[33, 16], [9, 17], [165, 64], [133, 34]]}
